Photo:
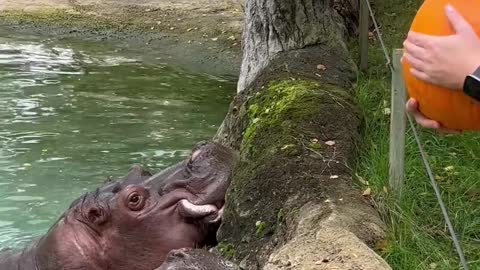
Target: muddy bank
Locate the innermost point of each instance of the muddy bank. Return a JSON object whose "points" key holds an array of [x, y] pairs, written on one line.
{"points": [[202, 35]]}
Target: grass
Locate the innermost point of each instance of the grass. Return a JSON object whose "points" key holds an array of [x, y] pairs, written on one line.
{"points": [[418, 237]]}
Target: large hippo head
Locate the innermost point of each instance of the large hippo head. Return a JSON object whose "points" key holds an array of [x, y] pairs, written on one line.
{"points": [[133, 223]]}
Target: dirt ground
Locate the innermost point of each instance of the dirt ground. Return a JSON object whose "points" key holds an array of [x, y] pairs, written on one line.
{"points": [[204, 34], [198, 5]]}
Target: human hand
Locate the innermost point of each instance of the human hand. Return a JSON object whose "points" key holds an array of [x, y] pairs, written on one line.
{"points": [[412, 108], [444, 60]]}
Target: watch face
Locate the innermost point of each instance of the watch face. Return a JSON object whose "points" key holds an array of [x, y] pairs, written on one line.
{"points": [[472, 87]]}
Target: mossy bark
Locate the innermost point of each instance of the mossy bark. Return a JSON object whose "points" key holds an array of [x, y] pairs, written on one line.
{"points": [[292, 203]]}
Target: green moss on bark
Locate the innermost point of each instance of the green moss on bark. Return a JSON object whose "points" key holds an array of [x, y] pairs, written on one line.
{"points": [[276, 112], [226, 250], [286, 161]]}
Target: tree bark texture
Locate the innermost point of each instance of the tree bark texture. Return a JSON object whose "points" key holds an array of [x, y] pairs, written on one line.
{"points": [[292, 203], [274, 26]]}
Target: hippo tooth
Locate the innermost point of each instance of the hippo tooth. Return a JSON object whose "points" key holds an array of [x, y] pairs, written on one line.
{"points": [[219, 215], [188, 209]]}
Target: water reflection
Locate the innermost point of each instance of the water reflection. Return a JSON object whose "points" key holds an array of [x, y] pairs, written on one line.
{"points": [[70, 118]]}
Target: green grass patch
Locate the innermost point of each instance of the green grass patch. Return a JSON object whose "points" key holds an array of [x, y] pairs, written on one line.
{"points": [[418, 237]]}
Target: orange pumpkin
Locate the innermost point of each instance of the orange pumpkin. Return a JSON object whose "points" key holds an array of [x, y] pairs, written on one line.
{"points": [[450, 107]]}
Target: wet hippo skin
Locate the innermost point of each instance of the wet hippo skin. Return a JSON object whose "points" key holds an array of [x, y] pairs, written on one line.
{"points": [[135, 221]]}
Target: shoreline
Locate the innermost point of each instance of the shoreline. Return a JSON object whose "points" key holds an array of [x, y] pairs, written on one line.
{"points": [[206, 39]]}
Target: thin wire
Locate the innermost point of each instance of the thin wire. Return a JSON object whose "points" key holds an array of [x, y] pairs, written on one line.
{"points": [[439, 196], [377, 29], [423, 154]]}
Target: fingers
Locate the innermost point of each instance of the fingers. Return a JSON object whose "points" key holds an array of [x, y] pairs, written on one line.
{"points": [[458, 23], [412, 108], [415, 56], [420, 40], [419, 74], [414, 50]]}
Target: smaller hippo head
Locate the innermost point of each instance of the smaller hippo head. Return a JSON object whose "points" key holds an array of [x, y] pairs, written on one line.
{"points": [[135, 222]]}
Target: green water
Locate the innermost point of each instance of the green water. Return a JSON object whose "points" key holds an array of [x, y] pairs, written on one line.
{"points": [[73, 113]]}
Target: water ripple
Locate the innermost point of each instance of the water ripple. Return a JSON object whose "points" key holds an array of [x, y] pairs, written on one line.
{"points": [[72, 114]]}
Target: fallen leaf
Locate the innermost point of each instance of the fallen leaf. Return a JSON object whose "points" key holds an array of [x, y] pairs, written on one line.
{"points": [[362, 180], [367, 192], [449, 168], [330, 143], [287, 146], [189, 29], [382, 245], [321, 67]]}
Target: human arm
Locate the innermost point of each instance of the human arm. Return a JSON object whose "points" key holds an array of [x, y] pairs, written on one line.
{"points": [[442, 60]]}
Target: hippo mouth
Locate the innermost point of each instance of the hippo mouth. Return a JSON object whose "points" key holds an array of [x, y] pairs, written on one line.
{"points": [[209, 213]]}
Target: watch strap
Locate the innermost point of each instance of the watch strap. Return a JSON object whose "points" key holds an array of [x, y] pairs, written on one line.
{"points": [[471, 85], [476, 73]]}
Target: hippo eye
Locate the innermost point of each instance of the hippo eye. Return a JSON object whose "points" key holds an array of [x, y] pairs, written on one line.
{"points": [[136, 201]]}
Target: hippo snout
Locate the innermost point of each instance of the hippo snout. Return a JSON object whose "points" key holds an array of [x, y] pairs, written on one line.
{"points": [[201, 181], [152, 215]]}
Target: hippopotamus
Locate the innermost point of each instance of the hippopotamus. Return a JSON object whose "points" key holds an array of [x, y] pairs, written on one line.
{"points": [[196, 259], [136, 221]]}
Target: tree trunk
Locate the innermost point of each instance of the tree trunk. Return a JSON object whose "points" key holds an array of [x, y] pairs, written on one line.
{"points": [[292, 203]]}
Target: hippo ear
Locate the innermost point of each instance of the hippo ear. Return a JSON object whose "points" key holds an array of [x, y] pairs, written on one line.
{"points": [[96, 215]]}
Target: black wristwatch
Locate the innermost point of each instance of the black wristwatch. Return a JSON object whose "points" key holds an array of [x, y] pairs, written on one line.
{"points": [[471, 86]]}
